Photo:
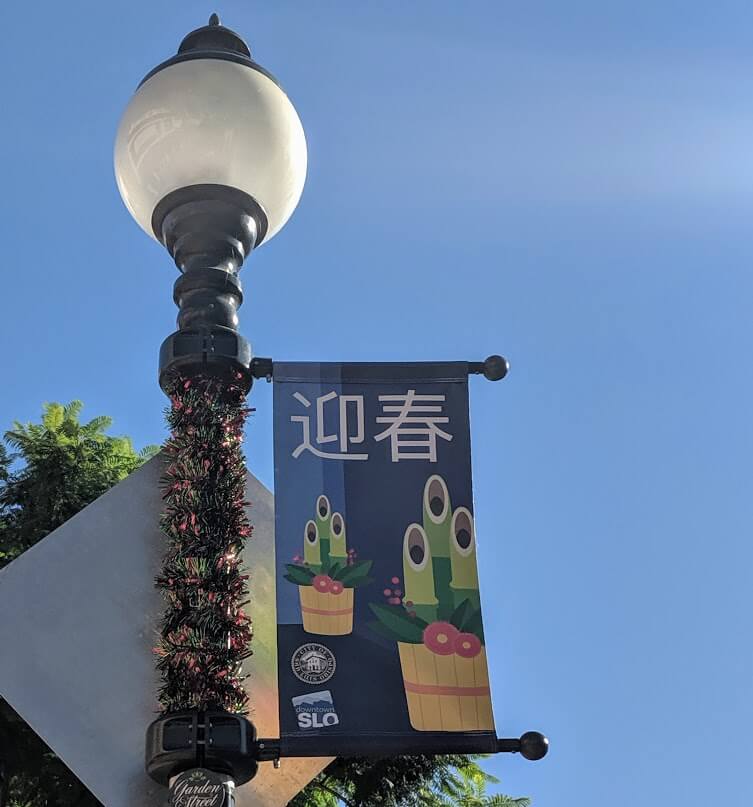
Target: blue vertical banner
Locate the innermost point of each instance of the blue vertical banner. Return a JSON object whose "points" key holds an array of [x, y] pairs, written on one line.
{"points": [[381, 646]]}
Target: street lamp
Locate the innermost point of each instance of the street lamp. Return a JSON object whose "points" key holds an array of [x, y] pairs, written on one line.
{"points": [[210, 159]]}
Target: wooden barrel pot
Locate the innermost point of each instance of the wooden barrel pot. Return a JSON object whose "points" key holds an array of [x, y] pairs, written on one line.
{"points": [[446, 692], [325, 613]]}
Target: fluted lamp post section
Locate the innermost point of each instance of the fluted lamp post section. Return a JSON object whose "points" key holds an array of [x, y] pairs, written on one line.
{"points": [[210, 160]]}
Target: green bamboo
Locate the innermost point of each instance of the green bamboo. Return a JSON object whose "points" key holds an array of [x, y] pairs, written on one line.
{"points": [[322, 518], [338, 549], [418, 573], [436, 497], [311, 545], [464, 582]]}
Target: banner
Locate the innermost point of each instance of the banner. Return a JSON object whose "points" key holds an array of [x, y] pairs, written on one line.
{"points": [[380, 639]]}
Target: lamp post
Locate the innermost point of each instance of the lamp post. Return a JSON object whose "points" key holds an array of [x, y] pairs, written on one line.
{"points": [[210, 159]]}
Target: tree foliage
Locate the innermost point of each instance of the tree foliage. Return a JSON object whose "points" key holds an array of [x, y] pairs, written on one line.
{"points": [[453, 780], [64, 465], [48, 472]]}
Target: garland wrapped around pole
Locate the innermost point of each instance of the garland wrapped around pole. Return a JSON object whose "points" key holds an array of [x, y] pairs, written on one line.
{"points": [[205, 634]]}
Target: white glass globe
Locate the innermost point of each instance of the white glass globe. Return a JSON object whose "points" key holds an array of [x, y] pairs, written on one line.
{"points": [[210, 121]]}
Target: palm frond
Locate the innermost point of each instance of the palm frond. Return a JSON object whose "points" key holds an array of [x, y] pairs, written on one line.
{"points": [[72, 410], [53, 416], [98, 425]]}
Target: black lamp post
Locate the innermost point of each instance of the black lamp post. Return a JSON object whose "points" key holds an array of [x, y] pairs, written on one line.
{"points": [[210, 159]]}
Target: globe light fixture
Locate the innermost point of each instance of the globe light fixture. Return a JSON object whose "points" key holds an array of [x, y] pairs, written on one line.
{"points": [[210, 160]]}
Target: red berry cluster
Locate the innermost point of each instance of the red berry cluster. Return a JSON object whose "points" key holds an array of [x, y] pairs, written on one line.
{"points": [[394, 595], [324, 584], [444, 639]]}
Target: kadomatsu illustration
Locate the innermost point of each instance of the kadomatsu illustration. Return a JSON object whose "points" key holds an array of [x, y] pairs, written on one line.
{"points": [[327, 573], [435, 618]]}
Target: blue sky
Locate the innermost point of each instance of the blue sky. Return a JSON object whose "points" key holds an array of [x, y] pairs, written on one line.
{"points": [[570, 184]]}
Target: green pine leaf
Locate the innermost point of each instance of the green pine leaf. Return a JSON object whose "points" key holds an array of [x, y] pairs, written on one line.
{"points": [[462, 614], [401, 626], [299, 574], [381, 630], [474, 625], [296, 581], [359, 582], [350, 573]]}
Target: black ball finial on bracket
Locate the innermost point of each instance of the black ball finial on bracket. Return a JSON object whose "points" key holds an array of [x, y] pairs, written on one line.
{"points": [[496, 368], [533, 745]]}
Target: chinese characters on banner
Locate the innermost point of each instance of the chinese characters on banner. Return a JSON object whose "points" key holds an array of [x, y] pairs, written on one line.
{"points": [[411, 425], [381, 648]]}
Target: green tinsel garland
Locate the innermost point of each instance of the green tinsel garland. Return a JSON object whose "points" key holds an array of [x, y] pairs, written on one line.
{"points": [[205, 635]]}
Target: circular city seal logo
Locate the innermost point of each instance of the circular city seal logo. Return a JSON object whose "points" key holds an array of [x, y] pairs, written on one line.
{"points": [[313, 663]]}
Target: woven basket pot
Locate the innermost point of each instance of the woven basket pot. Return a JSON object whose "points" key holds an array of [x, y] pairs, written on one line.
{"points": [[446, 693], [325, 613]]}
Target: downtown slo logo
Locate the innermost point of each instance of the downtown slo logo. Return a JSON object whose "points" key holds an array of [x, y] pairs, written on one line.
{"points": [[315, 710]]}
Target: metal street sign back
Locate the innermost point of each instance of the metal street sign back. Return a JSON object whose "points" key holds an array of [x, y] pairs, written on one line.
{"points": [[78, 619]]}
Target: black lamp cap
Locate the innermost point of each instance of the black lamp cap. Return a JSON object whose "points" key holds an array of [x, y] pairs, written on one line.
{"points": [[213, 41], [214, 36]]}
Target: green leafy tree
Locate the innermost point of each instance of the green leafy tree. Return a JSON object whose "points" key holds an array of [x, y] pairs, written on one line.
{"points": [[453, 780], [66, 465], [462, 783], [48, 472]]}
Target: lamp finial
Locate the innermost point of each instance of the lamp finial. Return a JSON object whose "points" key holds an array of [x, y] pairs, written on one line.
{"points": [[215, 19]]}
